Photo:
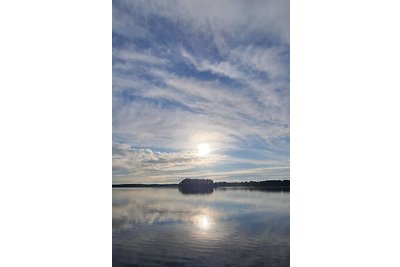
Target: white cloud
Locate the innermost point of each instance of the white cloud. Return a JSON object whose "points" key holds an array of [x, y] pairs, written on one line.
{"points": [[158, 102], [230, 16], [145, 163], [129, 55], [217, 109]]}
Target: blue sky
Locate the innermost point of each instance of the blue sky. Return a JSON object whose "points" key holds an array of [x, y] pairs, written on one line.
{"points": [[210, 73]]}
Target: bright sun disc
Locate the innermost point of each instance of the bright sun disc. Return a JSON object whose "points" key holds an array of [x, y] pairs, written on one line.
{"points": [[203, 149]]}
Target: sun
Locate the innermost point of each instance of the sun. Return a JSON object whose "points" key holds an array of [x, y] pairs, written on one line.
{"points": [[203, 149]]}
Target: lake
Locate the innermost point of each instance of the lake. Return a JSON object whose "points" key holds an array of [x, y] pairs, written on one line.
{"points": [[228, 227]]}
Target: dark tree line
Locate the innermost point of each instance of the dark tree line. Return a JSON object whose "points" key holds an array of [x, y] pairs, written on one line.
{"points": [[268, 183], [196, 186], [207, 185]]}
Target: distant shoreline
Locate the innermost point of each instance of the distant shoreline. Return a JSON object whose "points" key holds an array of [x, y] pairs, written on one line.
{"points": [[145, 185], [273, 184]]}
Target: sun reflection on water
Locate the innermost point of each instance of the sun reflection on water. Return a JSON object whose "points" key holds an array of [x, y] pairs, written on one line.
{"points": [[202, 221]]}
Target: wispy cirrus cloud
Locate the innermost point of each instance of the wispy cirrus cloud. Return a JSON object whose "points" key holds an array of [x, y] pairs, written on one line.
{"points": [[190, 72]]}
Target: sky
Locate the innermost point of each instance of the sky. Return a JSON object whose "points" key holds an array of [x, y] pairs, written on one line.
{"points": [[200, 90]]}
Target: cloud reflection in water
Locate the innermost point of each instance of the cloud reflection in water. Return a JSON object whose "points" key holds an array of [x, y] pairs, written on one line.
{"points": [[156, 226]]}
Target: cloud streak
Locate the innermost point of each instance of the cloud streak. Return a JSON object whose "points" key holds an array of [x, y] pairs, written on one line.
{"points": [[191, 72]]}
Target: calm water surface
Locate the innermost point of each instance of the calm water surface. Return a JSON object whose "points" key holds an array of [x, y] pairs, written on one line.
{"points": [[232, 227]]}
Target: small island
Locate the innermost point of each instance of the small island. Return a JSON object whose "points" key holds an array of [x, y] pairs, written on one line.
{"points": [[196, 186]]}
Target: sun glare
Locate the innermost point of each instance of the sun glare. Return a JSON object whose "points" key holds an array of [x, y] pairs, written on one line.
{"points": [[203, 149], [202, 222]]}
